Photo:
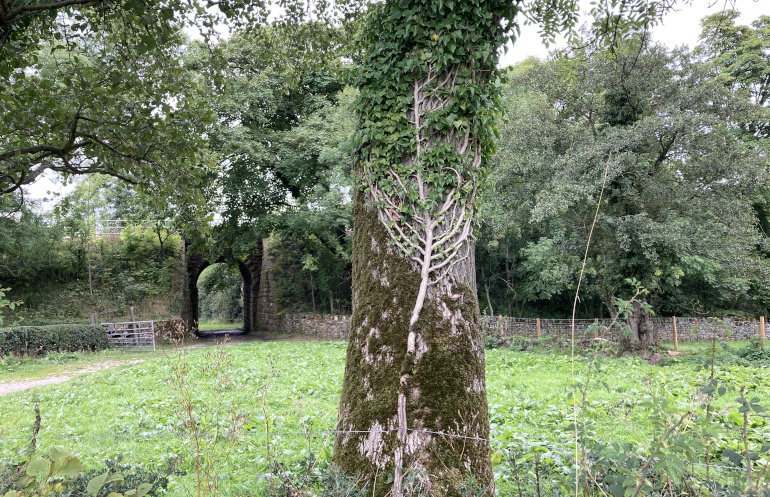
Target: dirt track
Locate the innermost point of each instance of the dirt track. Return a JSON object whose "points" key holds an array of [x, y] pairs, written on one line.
{"points": [[206, 339], [7, 387]]}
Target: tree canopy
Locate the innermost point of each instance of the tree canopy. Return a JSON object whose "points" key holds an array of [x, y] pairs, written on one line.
{"points": [[676, 211]]}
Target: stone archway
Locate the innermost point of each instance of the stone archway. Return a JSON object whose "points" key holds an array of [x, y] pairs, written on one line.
{"points": [[250, 268]]}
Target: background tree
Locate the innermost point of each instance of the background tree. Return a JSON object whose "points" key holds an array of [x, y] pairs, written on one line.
{"points": [[742, 53], [90, 106], [313, 238], [270, 137], [126, 57], [680, 182]]}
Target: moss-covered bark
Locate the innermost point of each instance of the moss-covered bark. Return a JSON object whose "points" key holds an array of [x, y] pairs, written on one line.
{"points": [[642, 328], [446, 391]]}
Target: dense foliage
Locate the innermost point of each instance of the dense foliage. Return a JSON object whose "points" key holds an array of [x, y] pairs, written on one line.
{"points": [[40, 340], [63, 270], [60, 473], [113, 85], [679, 194], [92, 105], [219, 294]]}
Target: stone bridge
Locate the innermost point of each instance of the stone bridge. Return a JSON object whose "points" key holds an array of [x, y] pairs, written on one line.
{"points": [[259, 307]]}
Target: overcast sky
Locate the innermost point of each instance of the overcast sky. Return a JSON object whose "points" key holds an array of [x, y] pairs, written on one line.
{"points": [[681, 27]]}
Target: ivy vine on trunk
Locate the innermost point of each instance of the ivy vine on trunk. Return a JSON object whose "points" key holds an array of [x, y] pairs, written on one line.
{"points": [[415, 361]]}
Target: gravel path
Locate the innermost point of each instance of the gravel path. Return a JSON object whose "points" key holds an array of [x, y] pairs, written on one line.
{"points": [[7, 387]]}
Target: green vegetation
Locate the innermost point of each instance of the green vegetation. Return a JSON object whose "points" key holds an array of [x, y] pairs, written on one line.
{"points": [[219, 297], [675, 199], [138, 411], [61, 472], [63, 269], [40, 340], [13, 368], [217, 325]]}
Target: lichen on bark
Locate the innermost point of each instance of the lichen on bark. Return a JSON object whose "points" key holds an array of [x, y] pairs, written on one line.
{"points": [[414, 382], [447, 391]]}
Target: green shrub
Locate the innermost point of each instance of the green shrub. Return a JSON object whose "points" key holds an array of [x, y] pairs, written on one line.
{"points": [[61, 474], [40, 340], [519, 343], [755, 354], [492, 340]]}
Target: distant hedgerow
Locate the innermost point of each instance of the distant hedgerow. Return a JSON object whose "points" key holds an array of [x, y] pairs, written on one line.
{"points": [[40, 340]]}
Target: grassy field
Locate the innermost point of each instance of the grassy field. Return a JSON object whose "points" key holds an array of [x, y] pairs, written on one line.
{"points": [[142, 412], [217, 325], [25, 368]]}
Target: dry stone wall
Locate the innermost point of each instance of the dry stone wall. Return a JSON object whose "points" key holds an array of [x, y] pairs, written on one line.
{"points": [[688, 329], [317, 325]]}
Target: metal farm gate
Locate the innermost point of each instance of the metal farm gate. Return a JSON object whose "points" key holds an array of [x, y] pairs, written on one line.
{"points": [[131, 335]]}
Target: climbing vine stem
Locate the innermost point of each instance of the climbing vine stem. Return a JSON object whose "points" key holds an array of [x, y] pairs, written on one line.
{"points": [[427, 105], [428, 100]]}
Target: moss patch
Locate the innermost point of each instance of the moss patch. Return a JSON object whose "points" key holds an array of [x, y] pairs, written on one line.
{"points": [[446, 388]]}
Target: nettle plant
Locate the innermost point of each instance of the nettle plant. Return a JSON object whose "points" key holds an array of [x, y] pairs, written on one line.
{"points": [[428, 126]]}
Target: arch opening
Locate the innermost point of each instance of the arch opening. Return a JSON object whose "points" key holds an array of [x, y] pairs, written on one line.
{"points": [[220, 297], [249, 268]]}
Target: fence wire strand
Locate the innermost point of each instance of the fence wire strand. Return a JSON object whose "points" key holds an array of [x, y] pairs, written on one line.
{"points": [[279, 433]]}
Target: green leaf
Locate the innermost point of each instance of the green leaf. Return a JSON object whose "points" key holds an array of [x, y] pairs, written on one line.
{"points": [[143, 489], [67, 466], [96, 483], [39, 467]]}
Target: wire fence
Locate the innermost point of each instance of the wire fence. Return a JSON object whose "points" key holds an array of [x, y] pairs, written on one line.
{"points": [[277, 434], [683, 329], [281, 433]]}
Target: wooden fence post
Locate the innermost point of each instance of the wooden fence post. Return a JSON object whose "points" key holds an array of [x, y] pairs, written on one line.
{"points": [[538, 327], [676, 336], [500, 320], [596, 330], [762, 331]]}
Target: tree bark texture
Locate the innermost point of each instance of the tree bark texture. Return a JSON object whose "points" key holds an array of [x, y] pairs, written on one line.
{"points": [[642, 328], [445, 391], [413, 411]]}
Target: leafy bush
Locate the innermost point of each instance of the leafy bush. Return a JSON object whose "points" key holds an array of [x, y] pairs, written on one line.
{"points": [[755, 354], [492, 338], [519, 343], [40, 340], [122, 479], [4, 302], [62, 474]]}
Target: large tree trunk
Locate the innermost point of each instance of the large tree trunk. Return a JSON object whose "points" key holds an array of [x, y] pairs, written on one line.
{"points": [[444, 389], [642, 328], [413, 409]]}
